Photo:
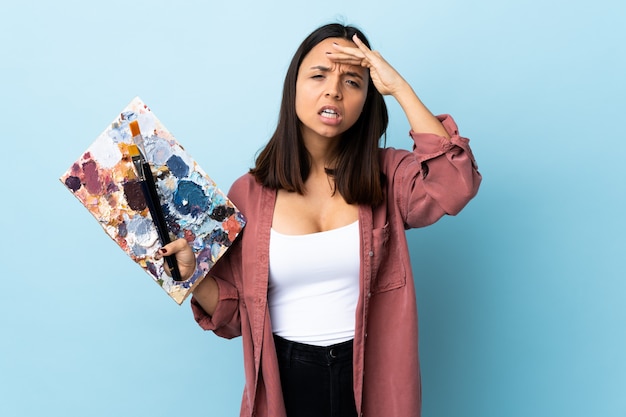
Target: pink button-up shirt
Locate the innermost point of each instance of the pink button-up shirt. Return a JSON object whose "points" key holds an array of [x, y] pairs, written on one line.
{"points": [[438, 177]]}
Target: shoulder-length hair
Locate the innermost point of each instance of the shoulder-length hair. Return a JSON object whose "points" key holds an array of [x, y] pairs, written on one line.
{"points": [[284, 163]]}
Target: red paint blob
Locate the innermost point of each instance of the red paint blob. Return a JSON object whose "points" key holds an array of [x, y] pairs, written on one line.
{"points": [[92, 180]]}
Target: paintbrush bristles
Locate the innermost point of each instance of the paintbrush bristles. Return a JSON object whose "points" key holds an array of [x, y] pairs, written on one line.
{"points": [[133, 150], [134, 128]]}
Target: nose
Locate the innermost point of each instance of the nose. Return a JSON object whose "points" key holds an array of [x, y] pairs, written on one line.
{"points": [[333, 89]]}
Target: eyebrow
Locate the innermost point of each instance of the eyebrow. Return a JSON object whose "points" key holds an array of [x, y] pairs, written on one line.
{"points": [[327, 69]]}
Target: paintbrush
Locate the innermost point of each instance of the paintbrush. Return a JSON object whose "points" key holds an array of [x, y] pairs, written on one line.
{"points": [[148, 186]]}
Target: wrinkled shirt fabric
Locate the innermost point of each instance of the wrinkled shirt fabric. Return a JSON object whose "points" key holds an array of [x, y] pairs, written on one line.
{"points": [[438, 177]]}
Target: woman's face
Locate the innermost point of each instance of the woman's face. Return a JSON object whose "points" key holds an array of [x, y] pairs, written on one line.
{"points": [[329, 96]]}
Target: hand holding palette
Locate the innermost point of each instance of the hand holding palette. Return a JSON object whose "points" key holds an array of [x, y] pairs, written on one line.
{"points": [[106, 182]]}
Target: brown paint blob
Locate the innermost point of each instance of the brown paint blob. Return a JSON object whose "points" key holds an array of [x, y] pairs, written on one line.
{"points": [[134, 195]]}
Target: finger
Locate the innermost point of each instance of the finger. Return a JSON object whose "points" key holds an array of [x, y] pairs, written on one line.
{"points": [[184, 255], [373, 58], [346, 60], [346, 52], [160, 254], [362, 47], [173, 247], [348, 56]]}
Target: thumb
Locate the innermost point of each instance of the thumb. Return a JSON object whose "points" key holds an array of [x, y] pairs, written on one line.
{"points": [[178, 245]]}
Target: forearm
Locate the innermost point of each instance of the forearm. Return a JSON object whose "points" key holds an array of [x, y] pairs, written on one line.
{"points": [[207, 294], [420, 118]]}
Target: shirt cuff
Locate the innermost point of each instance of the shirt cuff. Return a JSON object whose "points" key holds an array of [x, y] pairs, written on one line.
{"points": [[225, 311]]}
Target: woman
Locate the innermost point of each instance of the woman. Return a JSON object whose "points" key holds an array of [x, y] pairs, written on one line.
{"points": [[319, 284]]}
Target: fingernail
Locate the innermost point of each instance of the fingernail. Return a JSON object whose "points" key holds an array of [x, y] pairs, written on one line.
{"points": [[163, 250]]}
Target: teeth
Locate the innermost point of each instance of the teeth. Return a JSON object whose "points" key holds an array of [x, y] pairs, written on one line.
{"points": [[329, 113]]}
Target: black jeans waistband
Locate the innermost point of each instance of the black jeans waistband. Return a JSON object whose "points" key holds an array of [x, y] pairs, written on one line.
{"points": [[320, 354]]}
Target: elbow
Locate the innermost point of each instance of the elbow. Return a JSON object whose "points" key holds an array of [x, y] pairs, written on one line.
{"points": [[463, 194]]}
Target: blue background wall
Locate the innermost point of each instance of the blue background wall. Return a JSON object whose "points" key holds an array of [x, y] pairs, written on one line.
{"points": [[520, 296]]}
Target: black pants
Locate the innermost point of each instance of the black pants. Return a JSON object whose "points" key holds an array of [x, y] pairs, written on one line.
{"points": [[316, 380]]}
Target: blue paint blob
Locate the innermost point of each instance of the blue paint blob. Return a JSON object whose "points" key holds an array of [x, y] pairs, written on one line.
{"points": [[177, 166], [122, 230], [220, 237], [171, 220], [190, 199]]}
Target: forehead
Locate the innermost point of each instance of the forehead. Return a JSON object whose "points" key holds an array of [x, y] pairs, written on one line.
{"points": [[317, 56]]}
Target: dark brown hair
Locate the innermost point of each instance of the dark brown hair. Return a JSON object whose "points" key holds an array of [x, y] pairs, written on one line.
{"points": [[284, 163]]}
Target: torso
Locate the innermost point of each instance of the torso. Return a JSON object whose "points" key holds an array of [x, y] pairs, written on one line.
{"points": [[316, 211]]}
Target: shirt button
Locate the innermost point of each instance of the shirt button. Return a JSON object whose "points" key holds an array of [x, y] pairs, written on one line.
{"points": [[369, 295], [371, 254]]}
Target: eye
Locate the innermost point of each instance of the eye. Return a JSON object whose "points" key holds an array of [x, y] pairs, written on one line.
{"points": [[317, 77], [353, 83]]}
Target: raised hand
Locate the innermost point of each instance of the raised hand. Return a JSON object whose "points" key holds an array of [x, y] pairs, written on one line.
{"points": [[385, 78], [389, 82]]}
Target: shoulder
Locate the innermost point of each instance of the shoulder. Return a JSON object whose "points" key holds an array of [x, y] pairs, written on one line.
{"points": [[391, 158], [247, 180], [245, 188]]}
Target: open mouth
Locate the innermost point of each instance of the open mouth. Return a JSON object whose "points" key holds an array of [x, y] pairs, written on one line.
{"points": [[329, 113]]}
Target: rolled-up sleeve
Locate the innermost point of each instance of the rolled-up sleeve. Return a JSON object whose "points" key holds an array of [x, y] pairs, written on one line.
{"points": [[440, 176], [225, 321]]}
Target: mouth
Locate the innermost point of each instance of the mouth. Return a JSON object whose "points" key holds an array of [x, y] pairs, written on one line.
{"points": [[329, 113]]}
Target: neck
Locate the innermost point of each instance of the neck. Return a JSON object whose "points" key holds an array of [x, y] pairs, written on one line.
{"points": [[322, 153]]}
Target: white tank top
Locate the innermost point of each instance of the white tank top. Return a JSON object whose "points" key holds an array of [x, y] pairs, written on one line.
{"points": [[314, 285]]}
